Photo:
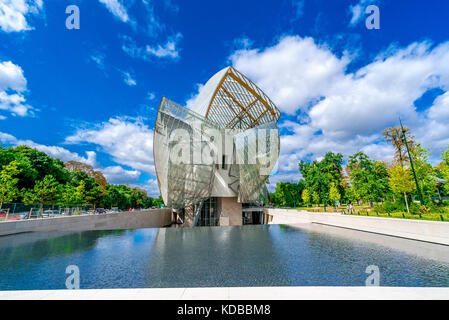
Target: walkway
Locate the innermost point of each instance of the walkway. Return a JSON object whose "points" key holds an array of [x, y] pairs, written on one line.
{"points": [[248, 293]]}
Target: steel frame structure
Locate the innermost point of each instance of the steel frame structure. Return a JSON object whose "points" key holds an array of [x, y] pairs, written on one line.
{"points": [[228, 100]]}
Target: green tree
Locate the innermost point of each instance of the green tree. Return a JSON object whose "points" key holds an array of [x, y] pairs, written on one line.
{"points": [[334, 194], [369, 179], [318, 175], [401, 182], [442, 170], [425, 173], [47, 190], [79, 195], [158, 202], [287, 194], [68, 195], [8, 182], [316, 198], [306, 196]]}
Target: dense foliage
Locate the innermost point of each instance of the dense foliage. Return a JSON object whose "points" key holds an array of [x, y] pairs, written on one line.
{"points": [[367, 181], [32, 177]]}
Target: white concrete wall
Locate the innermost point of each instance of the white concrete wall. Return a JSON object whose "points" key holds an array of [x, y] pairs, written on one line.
{"points": [[154, 218], [430, 231]]}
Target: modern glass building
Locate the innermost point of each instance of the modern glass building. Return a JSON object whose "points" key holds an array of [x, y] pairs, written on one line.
{"points": [[213, 159]]}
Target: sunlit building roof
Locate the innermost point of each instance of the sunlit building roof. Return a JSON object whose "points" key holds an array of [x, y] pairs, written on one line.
{"points": [[232, 101]]}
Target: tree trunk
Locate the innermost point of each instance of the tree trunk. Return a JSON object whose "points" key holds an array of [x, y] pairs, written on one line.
{"points": [[406, 202]]}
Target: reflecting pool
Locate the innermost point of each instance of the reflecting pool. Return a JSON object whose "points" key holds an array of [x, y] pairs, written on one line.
{"points": [[274, 255]]}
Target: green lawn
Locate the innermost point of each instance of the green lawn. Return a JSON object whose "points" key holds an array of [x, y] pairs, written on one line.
{"points": [[368, 211]]}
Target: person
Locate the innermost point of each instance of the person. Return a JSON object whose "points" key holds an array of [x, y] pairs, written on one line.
{"points": [[350, 206], [347, 207], [130, 210]]}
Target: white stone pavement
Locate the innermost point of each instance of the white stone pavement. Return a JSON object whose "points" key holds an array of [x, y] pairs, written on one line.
{"points": [[247, 293], [428, 231]]}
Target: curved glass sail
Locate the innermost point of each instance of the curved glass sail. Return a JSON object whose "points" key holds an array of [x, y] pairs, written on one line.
{"points": [[227, 143], [182, 180]]}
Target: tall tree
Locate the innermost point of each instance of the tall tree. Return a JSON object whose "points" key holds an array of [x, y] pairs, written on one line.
{"points": [[45, 191], [401, 182], [334, 194], [8, 182], [306, 196], [424, 171], [316, 198], [79, 195], [318, 175], [68, 195], [443, 169], [395, 137], [288, 194], [75, 166], [369, 179]]}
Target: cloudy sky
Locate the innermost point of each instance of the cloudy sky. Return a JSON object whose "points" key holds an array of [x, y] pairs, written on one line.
{"points": [[91, 94]]}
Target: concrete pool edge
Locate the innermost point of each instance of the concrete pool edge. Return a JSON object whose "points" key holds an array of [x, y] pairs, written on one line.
{"points": [[235, 293], [153, 218], [426, 231]]}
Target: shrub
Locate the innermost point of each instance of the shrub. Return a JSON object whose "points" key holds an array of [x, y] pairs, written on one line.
{"points": [[433, 207], [399, 206], [423, 210]]}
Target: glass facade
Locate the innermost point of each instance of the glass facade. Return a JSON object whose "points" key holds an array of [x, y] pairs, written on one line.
{"points": [[225, 145]]}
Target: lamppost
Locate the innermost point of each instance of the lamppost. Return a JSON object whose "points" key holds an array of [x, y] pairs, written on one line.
{"points": [[411, 163], [321, 186]]}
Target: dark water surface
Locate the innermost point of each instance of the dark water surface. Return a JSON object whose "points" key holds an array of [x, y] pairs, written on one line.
{"points": [[272, 255]]}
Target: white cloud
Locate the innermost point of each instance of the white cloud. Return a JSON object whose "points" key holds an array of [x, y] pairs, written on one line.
{"points": [[152, 24], [13, 85], [11, 77], [113, 174], [151, 96], [287, 177], [119, 175], [98, 59], [357, 11], [293, 72], [243, 43], [128, 141], [53, 151], [128, 78], [13, 14], [168, 50], [343, 111], [117, 9], [151, 187]]}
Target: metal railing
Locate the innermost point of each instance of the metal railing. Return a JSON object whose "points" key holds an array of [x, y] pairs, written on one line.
{"points": [[21, 211]]}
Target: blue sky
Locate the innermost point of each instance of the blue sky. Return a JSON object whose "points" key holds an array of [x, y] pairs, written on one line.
{"points": [[91, 94]]}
